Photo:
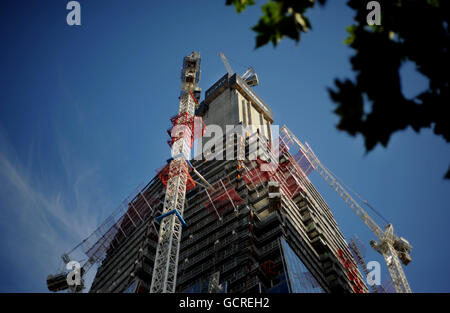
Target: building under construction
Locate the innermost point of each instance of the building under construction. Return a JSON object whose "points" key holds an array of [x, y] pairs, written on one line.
{"points": [[252, 230], [241, 216]]}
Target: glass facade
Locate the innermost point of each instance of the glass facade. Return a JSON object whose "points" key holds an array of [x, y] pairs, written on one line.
{"points": [[300, 279], [282, 287], [131, 288]]}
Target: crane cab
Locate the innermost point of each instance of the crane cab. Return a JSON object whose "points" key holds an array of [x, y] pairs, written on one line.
{"points": [[252, 80], [57, 282], [190, 72], [403, 248]]}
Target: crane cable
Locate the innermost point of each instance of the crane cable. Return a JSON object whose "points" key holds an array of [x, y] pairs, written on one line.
{"points": [[240, 64], [340, 180], [358, 196]]}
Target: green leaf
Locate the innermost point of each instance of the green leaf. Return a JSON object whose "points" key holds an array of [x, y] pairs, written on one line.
{"points": [[351, 31], [240, 5]]}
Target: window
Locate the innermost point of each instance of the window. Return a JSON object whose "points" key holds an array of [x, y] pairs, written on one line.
{"points": [[249, 109], [131, 288], [244, 115], [301, 279]]}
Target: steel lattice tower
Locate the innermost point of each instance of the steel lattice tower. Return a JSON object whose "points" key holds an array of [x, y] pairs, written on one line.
{"points": [[167, 251]]}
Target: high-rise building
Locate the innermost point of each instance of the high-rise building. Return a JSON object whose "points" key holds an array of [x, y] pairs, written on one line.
{"points": [[260, 228]]}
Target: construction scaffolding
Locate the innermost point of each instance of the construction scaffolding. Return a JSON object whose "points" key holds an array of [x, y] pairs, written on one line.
{"points": [[395, 250], [359, 250], [291, 166], [222, 197], [129, 215], [288, 180], [134, 211]]}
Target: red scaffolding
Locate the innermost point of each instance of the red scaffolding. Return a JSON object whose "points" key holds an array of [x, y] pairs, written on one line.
{"points": [[222, 198]]}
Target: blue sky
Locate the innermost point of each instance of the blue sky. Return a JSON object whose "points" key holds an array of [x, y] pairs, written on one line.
{"points": [[84, 112]]}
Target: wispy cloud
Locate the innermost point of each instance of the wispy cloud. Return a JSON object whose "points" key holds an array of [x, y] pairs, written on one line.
{"points": [[41, 218]]}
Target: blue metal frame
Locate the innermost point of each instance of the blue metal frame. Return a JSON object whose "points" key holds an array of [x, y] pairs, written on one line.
{"points": [[183, 222]]}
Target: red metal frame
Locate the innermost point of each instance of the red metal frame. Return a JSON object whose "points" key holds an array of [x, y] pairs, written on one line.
{"points": [[351, 269]]}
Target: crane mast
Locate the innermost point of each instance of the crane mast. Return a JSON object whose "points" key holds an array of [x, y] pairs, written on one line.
{"points": [[389, 245], [171, 221]]}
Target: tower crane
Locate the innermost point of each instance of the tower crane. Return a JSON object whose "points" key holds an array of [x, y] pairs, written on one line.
{"points": [[171, 220], [249, 76], [393, 249]]}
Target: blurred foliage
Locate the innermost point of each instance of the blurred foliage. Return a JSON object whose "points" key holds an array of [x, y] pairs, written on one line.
{"points": [[373, 104]]}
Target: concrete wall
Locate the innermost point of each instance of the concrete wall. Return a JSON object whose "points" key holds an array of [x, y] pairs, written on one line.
{"points": [[231, 108], [224, 110]]}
